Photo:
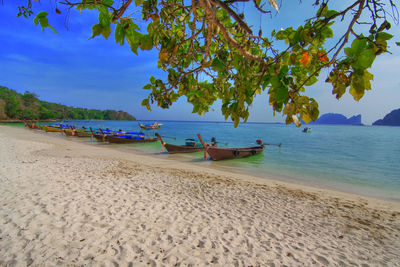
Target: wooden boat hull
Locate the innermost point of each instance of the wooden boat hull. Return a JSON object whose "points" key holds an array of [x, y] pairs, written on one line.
{"points": [[52, 129], [31, 125], [122, 140], [150, 127], [187, 148], [83, 134], [172, 149], [101, 137], [154, 126], [219, 153], [69, 132]]}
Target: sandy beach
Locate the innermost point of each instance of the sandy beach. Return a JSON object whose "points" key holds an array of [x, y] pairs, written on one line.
{"points": [[68, 203]]}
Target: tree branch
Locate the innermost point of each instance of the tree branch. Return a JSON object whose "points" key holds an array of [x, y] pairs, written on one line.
{"points": [[235, 16]]}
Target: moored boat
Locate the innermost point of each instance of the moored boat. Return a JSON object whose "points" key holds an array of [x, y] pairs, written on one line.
{"points": [[101, 136], [153, 126], [130, 138], [82, 133], [189, 147], [69, 132], [35, 126], [52, 129], [220, 153], [32, 125]]}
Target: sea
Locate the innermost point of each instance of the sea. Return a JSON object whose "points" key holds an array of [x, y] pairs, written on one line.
{"points": [[364, 160]]}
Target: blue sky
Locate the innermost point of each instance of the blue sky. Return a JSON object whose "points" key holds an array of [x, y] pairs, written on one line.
{"points": [[70, 69]]}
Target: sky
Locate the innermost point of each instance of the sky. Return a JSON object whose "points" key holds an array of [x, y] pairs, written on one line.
{"points": [[70, 69]]}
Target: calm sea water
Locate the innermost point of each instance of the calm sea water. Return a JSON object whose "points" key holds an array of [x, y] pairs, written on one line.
{"points": [[356, 159]]}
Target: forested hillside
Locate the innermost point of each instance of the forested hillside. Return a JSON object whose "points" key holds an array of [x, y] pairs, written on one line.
{"points": [[27, 106]]}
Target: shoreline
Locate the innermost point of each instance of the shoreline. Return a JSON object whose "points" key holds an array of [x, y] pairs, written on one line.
{"points": [[266, 176], [270, 179], [72, 203]]}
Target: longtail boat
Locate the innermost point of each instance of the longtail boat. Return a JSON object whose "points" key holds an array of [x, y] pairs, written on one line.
{"points": [[130, 138], [153, 126], [31, 125], [101, 136], [34, 126], [69, 132], [51, 129], [189, 147], [219, 153], [82, 133]]}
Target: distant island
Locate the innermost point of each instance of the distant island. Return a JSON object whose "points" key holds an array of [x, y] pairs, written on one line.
{"points": [[333, 118], [16, 106], [391, 119]]}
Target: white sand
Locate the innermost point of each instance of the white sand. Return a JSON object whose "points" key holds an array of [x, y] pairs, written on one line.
{"points": [[67, 203]]}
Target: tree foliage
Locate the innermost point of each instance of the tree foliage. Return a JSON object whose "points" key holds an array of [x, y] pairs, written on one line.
{"points": [[209, 52], [15, 106]]}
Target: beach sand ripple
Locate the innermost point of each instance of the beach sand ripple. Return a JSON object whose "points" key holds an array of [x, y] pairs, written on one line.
{"points": [[68, 203]]}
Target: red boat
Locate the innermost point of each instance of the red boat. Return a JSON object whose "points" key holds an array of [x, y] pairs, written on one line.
{"points": [[220, 153]]}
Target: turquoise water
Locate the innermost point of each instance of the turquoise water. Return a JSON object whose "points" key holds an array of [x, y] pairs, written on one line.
{"points": [[356, 159]]}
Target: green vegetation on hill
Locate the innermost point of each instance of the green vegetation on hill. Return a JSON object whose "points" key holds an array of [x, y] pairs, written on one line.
{"points": [[27, 106]]}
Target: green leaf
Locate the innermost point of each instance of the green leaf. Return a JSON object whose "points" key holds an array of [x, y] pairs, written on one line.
{"points": [[147, 87], [348, 51], [360, 82], [357, 92], [311, 81], [398, 43], [96, 30], [41, 18], [383, 36], [365, 59], [305, 116], [146, 43], [119, 34], [106, 31], [339, 89], [138, 2], [132, 38], [330, 13], [108, 2], [326, 32], [133, 25], [358, 45], [236, 122], [282, 94], [218, 65], [104, 18], [145, 102], [324, 11], [367, 79]]}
